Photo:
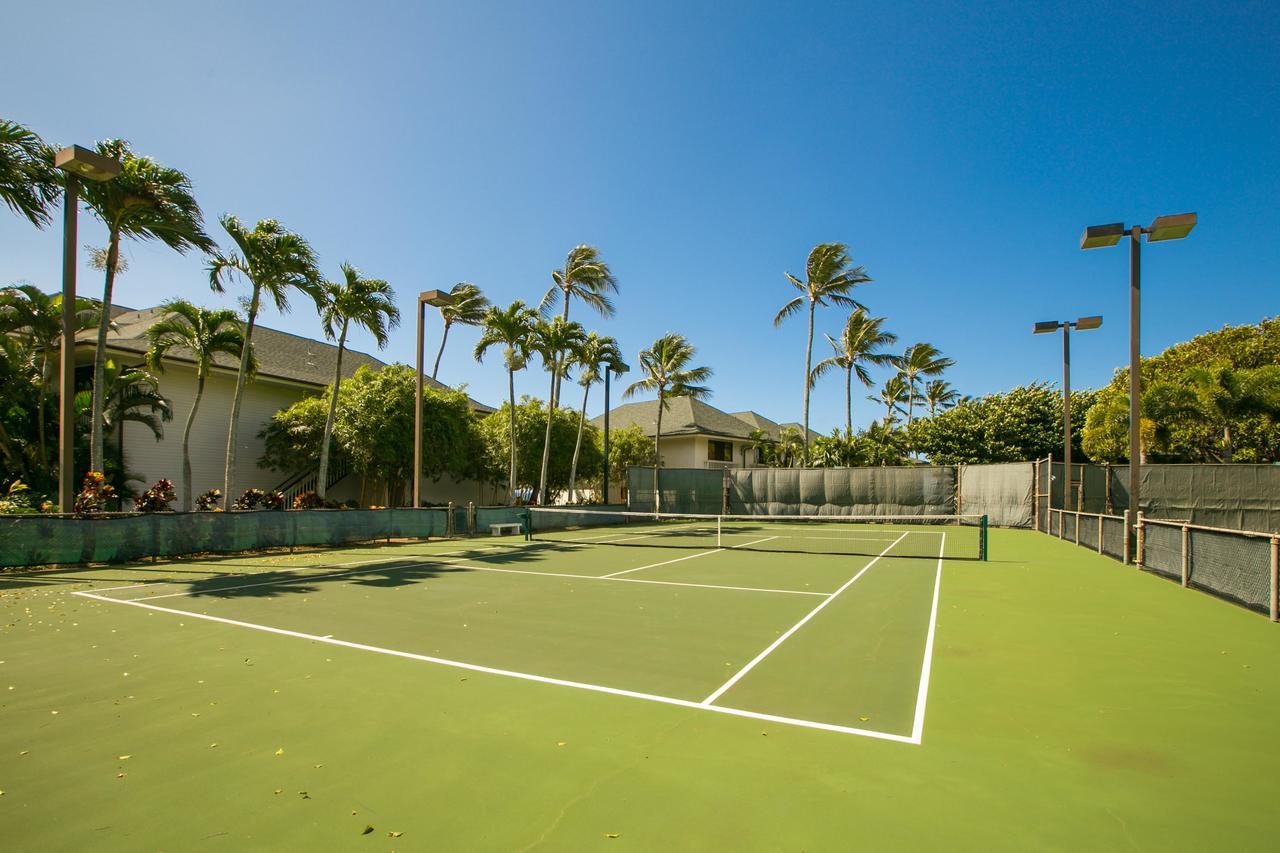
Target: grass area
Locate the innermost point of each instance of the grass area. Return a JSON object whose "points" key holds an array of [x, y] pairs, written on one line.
{"points": [[1073, 703]]}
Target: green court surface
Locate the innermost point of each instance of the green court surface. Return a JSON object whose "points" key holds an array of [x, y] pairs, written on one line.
{"points": [[571, 694]]}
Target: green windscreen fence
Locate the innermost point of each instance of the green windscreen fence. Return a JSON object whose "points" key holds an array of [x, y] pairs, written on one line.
{"points": [[1240, 497], [34, 540], [1003, 493], [699, 490]]}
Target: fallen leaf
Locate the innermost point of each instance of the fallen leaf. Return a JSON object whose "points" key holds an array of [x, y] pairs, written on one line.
{"points": [[305, 795], [212, 745], [561, 743], [280, 751], [368, 829], [611, 835], [123, 757], [121, 775], [389, 834], [864, 718], [279, 790]]}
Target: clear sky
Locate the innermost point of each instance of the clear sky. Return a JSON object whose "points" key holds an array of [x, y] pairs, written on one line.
{"points": [[958, 148]]}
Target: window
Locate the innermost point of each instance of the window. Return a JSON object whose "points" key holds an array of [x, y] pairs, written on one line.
{"points": [[720, 451]]}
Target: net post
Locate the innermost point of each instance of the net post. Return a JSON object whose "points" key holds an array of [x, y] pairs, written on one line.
{"points": [[719, 531], [448, 520], [984, 543], [526, 521], [1275, 578], [1126, 537], [471, 518], [1186, 551], [1138, 557]]}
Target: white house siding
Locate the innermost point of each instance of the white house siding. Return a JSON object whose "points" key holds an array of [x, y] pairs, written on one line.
{"points": [[152, 459]]}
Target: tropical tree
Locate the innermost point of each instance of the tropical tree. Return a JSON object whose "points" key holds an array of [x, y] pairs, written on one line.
{"points": [[920, 360], [146, 201], [201, 334], [858, 346], [830, 276], [29, 184], [132, 396], [892, 395], [585, 276], [883, 444], [555, 341], [530, 437], [665, 365], [34, 319], [595, 355], [789, 451], [466, 307], [367, 302], [274, 261], [938, 394], [1224, 396], [628, 447], [512, 328]]}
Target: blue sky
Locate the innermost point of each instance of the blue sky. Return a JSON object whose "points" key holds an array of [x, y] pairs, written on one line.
{"points": [[958, 148]]}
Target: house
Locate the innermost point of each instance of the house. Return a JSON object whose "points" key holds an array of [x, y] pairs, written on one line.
{"points": [[698, 435], [290, 367]]}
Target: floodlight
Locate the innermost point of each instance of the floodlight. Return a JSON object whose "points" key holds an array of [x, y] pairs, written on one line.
{"points": [[1047, 326], [1085, 323], [86, 164], [1173, 227], [436, 297], [1097, 236]]}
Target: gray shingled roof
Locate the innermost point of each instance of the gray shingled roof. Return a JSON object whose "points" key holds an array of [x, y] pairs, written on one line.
{"points": [[281, 355], [686, 416]]}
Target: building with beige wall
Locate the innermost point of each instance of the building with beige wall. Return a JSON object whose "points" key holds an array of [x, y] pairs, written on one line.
{"points": [[290, 367]]}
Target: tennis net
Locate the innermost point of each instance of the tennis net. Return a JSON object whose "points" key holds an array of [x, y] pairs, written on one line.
{"points": [[951, 536]]}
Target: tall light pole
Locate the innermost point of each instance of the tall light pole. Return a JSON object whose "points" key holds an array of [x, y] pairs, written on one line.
{"points": [[78, 163], [1082, 324], [1173, 227], [436, 298]]}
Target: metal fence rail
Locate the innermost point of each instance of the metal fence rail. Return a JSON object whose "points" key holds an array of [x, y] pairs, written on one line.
{"points": [[1240, 565]]}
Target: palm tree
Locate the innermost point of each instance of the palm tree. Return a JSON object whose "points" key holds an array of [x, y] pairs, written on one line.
{"points": [[132, 396], [35, 319], [829, 276], [202, 334], [513, 328], [666, 371], [274, 261], [939, 394], [555, 341], [892, 395], [595, 353], [790, 450], [920, 360], [466, 307], [1225, 396], [29, 184], [146, 201], [367, 302], [588, 278], [857, 346], [882, 443]]}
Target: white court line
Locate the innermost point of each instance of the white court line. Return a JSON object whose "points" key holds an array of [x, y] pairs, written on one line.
{"points": [[812, 613], [917, 729], [293, 579], [637, 580], [689, 557], [543, 679]]}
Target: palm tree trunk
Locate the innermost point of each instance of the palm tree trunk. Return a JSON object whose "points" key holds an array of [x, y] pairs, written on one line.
{"points": [[573, 467], [808, 359], [186, 443], [555, 394], [233, 427], [1228, 446], [322, 479], [511, 389], [444, 337], [96, 460], [546, 444], [848, 402], [40, 415], [657, 454]]}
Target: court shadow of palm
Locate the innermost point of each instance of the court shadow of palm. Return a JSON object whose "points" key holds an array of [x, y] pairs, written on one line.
{"points": [[392, 573]]}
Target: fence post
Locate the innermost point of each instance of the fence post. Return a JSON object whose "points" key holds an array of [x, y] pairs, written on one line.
{"points": [[1186, 552], [1138, 561], [1107, 506], [1100, 523], [1275, 578], [1035, 495], [1062, 519], [471, 518], [1077, 528], [1127, 533], [448, 520]]}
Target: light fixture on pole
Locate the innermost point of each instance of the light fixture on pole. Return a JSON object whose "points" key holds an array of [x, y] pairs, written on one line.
{"points": [[1172, 227], [1082, 324], [78, 163], [435, 298]]}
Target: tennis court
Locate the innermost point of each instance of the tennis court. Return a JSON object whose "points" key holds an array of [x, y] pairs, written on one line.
{"points": [[590, 689], [826, 624]]}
